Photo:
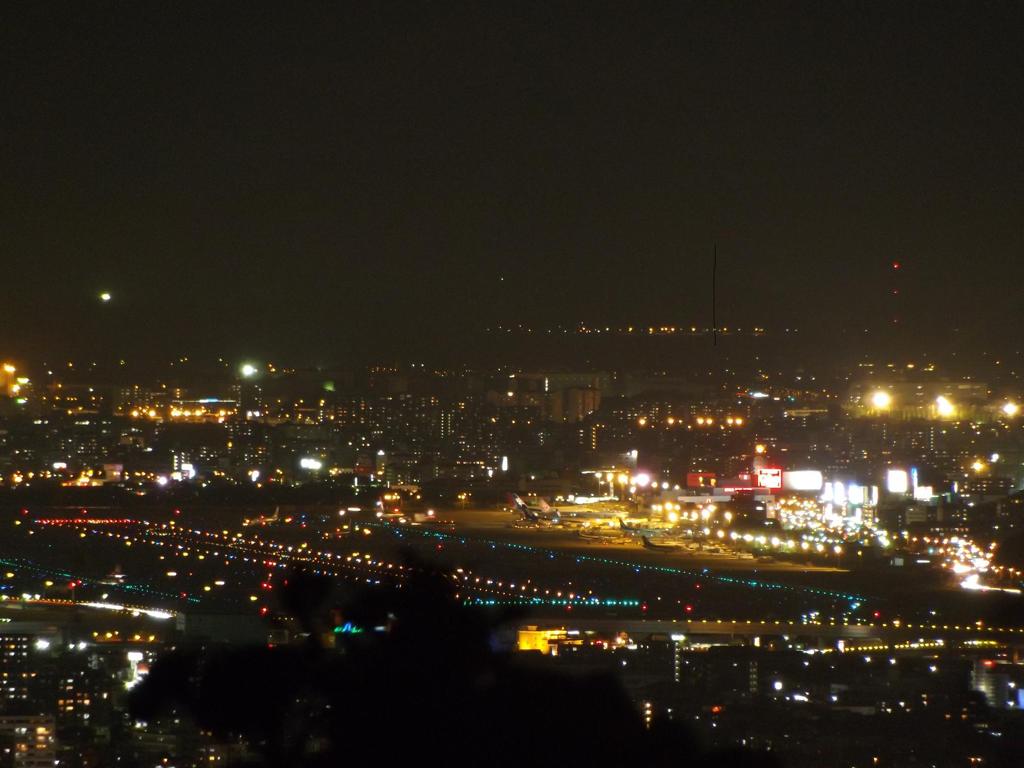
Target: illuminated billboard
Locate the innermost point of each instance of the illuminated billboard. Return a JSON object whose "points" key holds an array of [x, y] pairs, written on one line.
{"points": [[855, 495], [803, 480], [896, 481], [924, 493], [769, 477]]}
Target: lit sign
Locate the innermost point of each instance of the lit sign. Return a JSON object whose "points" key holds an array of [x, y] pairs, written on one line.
{"points": [[896, 481], [855, 494], [769, 478], [803, 480], [924, 492]]}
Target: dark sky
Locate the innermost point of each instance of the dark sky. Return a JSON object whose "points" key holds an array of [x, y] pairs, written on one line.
{"points": [[303, 181]]}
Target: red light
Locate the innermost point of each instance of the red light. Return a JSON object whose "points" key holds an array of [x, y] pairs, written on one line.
{"points": [[877, 614], [644, 607], [989, 663], [689, 609], [716, 709], [895, 265]]}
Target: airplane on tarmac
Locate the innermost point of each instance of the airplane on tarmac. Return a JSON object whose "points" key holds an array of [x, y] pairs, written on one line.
{"points": [[264, 519], [545, 514], [648, 544], [648, 531]]}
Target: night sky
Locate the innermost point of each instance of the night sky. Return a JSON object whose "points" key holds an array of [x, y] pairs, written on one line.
{"points": [[373, 177]]}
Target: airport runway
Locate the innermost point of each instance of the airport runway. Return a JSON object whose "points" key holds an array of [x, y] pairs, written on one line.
{"points": [[501, 525]]}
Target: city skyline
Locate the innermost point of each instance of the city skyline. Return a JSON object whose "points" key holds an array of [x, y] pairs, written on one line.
{"points": [[547, 383]]}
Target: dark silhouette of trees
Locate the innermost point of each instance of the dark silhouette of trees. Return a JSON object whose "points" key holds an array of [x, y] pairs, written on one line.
{"points": [[421, 682]]}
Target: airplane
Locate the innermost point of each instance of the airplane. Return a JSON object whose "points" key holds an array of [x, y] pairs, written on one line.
{"points": [[650, 532], [571, 515], [114, 578], [264, 519], [648, 544], [543, 514], [602, 534]]}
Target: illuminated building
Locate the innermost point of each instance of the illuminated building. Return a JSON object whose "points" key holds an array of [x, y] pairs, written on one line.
{"points": [[8, 380], [16, 669], [922, 399], [993, 681], [546, 640], [248, 393], [30, 738]]}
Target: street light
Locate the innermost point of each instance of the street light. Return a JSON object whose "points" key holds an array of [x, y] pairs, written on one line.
{"points": [[944, 407], [881, 399], [248, 370], [1011, 408]]}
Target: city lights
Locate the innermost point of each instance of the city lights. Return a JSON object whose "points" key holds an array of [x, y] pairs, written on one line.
{"points": [[576, 384]]}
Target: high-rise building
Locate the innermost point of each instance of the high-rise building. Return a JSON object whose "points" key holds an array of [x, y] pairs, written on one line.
{"points": [[29, 741], [15, 669]]}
